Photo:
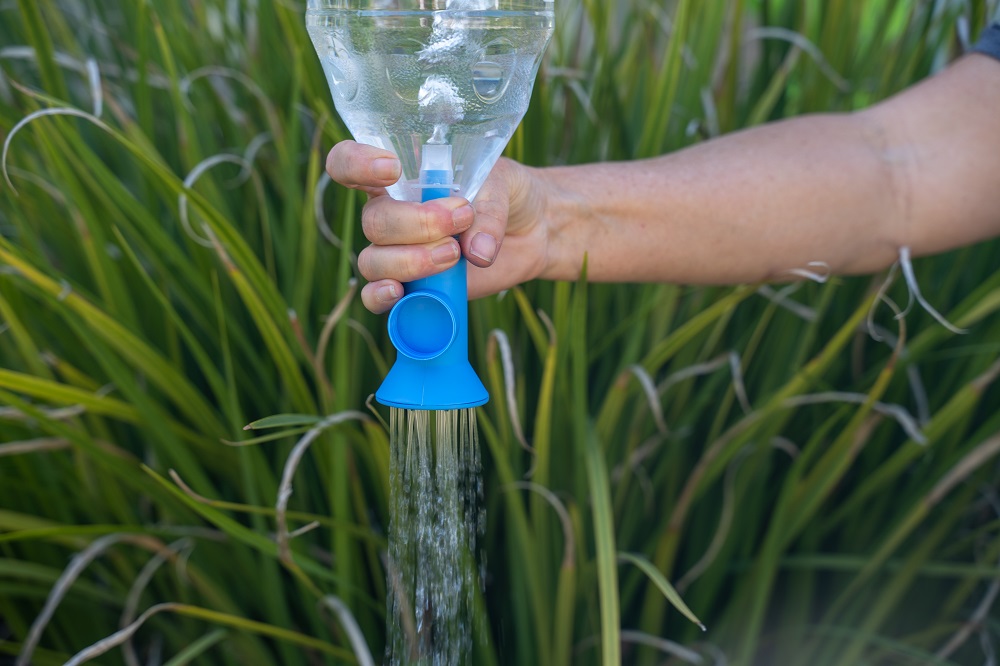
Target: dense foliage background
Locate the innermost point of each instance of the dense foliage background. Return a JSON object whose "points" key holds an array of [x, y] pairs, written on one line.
{"points": [[173, 266]]}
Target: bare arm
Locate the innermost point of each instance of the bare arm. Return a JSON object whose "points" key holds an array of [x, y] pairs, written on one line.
{"points": [[920, 170]]}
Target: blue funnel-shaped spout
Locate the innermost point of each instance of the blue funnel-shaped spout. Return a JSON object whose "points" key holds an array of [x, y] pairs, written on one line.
{"points": [[430, 326]]}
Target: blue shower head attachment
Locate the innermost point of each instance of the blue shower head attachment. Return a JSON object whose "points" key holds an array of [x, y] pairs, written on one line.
{"points": [[430, 326]]}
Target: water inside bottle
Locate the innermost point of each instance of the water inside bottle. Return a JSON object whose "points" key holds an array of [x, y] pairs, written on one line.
{"points": [[404, 79]]}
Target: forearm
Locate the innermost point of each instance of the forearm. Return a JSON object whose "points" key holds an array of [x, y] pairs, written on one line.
{"points": [[743, 208], [845, 190]]}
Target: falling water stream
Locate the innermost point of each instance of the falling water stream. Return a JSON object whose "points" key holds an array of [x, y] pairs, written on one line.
{"points": [[438, 517]]}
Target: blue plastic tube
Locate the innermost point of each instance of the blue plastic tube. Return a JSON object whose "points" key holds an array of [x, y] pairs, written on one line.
{"points": [[430, 326]]}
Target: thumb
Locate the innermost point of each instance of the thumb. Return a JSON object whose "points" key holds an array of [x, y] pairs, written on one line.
{"points": [[481, 243]]}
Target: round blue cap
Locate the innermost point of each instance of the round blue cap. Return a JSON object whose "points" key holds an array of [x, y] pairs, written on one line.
{"points": [[422, 326]]}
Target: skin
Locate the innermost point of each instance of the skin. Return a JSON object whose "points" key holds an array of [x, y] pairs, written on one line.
{"points": [[921, 169]]}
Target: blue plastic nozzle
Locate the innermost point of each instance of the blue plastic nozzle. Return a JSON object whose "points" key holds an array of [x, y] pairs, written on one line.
{"points": [[430, 326]]}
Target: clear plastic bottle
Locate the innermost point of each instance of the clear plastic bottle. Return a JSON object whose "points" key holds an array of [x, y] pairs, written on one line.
{"points": [[405, 73]]}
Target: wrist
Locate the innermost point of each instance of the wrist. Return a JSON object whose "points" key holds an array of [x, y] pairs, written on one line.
{"points": [[566, 219], [529, 197]]}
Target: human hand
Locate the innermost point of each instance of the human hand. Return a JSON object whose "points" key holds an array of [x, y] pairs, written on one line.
{"points": [[502, 234]]}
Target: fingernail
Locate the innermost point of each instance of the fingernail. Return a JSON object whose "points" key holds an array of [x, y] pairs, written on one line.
{"points": [[463, 217], [385, 168], [485, 247], [445, 254], [386, 294]]}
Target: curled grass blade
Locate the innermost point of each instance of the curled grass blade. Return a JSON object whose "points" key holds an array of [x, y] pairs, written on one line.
{"points": [[283, 421], [662, 584], [214, 617]]}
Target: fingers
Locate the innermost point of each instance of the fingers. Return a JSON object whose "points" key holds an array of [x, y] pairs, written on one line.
{"points": [[389, 222], [412, 241], [363, 167], [406, 263], [379, 297]]}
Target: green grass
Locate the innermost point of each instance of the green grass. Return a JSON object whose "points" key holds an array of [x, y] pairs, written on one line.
{"points": [[800, 530]]}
